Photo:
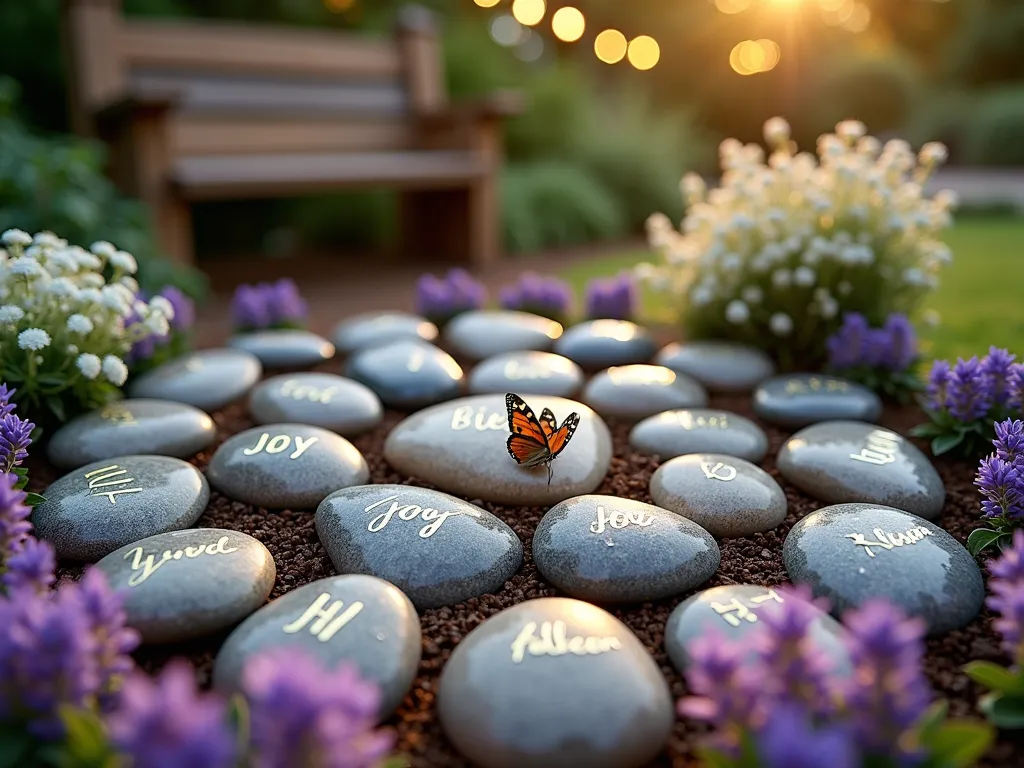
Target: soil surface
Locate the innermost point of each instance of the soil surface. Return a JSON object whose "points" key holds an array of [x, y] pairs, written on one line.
{"points": [[757, 559]]}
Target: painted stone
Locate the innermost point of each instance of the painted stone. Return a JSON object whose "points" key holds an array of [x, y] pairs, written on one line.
{"points": [[321, 399], [407, 374], [284, 348], [375, 329], [208, 379], [700, 430], [721, 366], [480, 334], [635, 392], [801, 399], [526, 373], [598, 344]]}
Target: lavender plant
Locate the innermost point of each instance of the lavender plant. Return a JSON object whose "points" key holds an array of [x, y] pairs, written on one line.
{"points": [[613, 298], [439, 299], [156, 350], [963, 402], [268, 305], [15, 438], [883, 359], [545, 296], [1000, 481]]}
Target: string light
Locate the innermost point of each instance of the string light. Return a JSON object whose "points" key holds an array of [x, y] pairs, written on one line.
{"points": [[528, 12], [644, 52], [568, 24], [610, 46], [753, 56]]}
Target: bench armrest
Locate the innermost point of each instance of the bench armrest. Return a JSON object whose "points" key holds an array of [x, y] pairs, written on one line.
{"points": [[497, 105], [119, 114]]}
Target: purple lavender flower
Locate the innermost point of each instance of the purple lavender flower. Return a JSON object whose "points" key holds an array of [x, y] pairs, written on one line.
{"points": [[997, 367], [1009, 442], [1007, 586], [184, 308], [15, 438], [790, 740], [846, 346], [167, 722], [937, 392], [969, 392], [1015, 399], [30, 566], [6, 406], [546, 296], [901, 351], [887, 692], [14, 524], [1002, 485], [302, 715], [249, 308], [611, 299], [892, 347], [105, 612], [285, 304], [441, 299]]}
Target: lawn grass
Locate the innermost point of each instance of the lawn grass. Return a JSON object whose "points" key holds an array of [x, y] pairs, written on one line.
{"points": [[981, 300]]}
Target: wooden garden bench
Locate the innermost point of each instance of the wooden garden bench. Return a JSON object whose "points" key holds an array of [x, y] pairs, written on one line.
{"points": [[206, 111]]}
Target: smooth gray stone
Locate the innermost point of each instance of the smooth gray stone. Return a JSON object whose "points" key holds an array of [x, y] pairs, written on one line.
{"points": [[552, 683], [845, 461], [279, 466], [480, 334], [407, 374], [355, 619], [460, 447], [635, 392], [321, 399], [851, 553], [610, 550], [208, 379], [437, 549], [700, 430], [104, 505], [732, 613], [723, 494], [526, 373], [187, 584], [284, 348], [598, 344], [375, 329], [721, 366], [801, 399], [131, 427]]}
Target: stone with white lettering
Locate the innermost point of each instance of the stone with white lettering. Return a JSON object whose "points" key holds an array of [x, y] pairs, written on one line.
{"points": [[407, 374], [721, 366], [610, 550], [187, 584], [699, 430], [597, 344], [527, 373], [460, 447], [280, 466], [284, 347], [321, 399], [733, 612], [131, 427], [847, 461], [208, 379], [723, 494], [852, 553], [483, 333], [375, 329], [104, 505], [554, 682], [355, 619], [800, 399], [635, 392], [437, 549]]}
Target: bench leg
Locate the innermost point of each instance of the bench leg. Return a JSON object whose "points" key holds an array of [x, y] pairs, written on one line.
{"points": [[454, 225], [173, 221]]}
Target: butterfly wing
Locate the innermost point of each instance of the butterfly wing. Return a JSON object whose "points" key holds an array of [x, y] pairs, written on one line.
{"points": [[548, 422], [561, 437], [528, 444]]}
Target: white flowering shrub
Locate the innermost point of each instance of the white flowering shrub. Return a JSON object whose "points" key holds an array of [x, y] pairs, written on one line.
{"points": [[782, 249], [68, 318]]}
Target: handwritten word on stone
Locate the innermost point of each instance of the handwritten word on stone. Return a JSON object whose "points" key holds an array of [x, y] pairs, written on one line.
{"points": [[553, 640], [688, 421], [890, 540], [433, 517], [734, 612], [814, 384], [280, 443], [145, 566], [881, 449], [106, 477], [466, 416], [326, 620], [718, 471], [118, 414], [296, 390], [618, 519]]}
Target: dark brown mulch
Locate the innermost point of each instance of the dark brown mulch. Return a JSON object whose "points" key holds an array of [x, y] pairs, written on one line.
{"points": [[300, 558]]}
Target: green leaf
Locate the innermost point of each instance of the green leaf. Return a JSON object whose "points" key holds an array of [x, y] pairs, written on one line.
{"points": [[1003, 711], [932, 719], [995, 677], [86, 744], [929, 429], [56, 406], [959, 743], [21, 471], [15, 746], [34, 500], [946, 442], [395, 761], [983, 538], [238, 721]]}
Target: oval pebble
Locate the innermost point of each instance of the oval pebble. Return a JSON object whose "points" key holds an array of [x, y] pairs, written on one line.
{"points": [[721, 366], [284, 347], [526, 373], [207, 379], [801, 399], [321, 399], [635, 392], [699, 430], [407, 374], [375, 329], [480, 334], [598, 344]]}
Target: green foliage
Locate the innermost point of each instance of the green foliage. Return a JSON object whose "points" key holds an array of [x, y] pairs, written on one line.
{"points": [[949, 742], [944, 115], [895, 385], [985, 538], [949, 435], [996, 127], [1003, 705]]}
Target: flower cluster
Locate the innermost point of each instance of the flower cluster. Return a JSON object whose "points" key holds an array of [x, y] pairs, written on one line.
{"points": [[786, 704], [439, 299], [157, 349], [613, 298], [15, 432], [64, 327], [882, 359], [965, 400], [268, 305], [545, 296], [783, 248], [1000, 480]]}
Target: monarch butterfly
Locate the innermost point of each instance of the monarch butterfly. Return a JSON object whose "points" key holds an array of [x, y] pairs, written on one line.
{"points": [[535, 442]]}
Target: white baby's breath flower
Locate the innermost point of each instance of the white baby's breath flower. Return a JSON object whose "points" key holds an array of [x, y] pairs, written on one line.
{"points": [[63, 287], [693, 186], [90, 296], [781, 324], [114, 300], [103, 249], [87, 260], [34, 339], [737, 312], [114, 369], [162, 306], [79, 324], [48, 240], [829, 308], [851, 129], [804, 276], [25, 266], [781, 278], [157, 324], [17, 237], [10, 313], [72, 349], [845, 288], [701, 295], [130, 283], [752, 294], [89, 365], [914, 276], [124, 261], [776, 131], [933, 153]]}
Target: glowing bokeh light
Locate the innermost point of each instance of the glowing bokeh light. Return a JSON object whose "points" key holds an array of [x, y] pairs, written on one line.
{"points": [[610, 46], [568, 24], [859, 19], [487, 3], [507, 31], [644, 52], [732, 6], [528, 12], [753, 56], [831, 5], [532, 48]]}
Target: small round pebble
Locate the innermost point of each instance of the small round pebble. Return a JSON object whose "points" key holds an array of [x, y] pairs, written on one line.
{"points": [[801, 399], [284, 348], [321, 399], [598, 344], [407, 375], [721, 366], [700, 430], [480, 334], [635, 392], [375, 329], [208, 379], [526, 373]]}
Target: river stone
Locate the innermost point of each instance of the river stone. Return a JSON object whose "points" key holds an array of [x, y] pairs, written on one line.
{"points": [[723, 494], [699, 430], [610, 550], [460, 447], [597, 344], [801, 399], [355, 619], [844, 461], [437, 549], [187, 584], [375, 329], [285, 465], [634, 392], [721, 366], [284, 348], [527, 373], [480, 334], [104, 505], [851, 553], [208, 379], [407, 374], [732, 612], [321, 399], [554, 682]]}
